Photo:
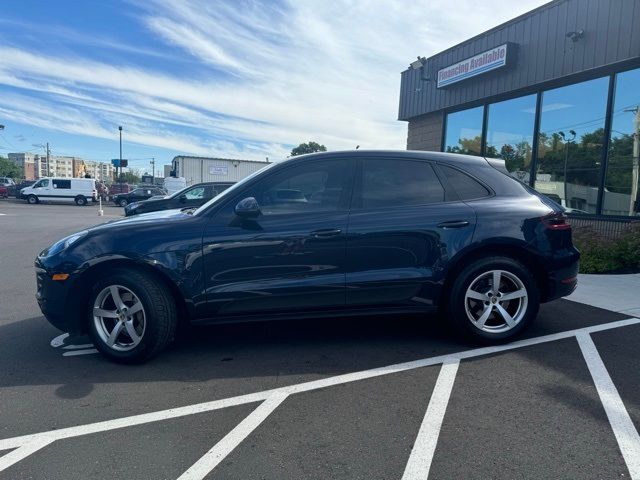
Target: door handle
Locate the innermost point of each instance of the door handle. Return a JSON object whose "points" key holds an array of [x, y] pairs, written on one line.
{"points": [[326, 232], [453, 224]]}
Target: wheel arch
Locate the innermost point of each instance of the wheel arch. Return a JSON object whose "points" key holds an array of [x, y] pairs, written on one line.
{"points": [[86, 279], [510, 250]]}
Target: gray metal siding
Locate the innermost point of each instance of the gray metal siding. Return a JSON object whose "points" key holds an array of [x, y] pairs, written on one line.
{"points": [[196, 169], [544, 54]]}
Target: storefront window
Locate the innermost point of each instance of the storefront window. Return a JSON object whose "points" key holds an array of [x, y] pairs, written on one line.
{"points": [[621, 179], [570, 144], [510, 134], [464, 132]]}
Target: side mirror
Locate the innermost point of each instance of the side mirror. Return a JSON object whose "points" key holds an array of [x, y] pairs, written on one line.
{"points": [[183, 198], [248, 208]]}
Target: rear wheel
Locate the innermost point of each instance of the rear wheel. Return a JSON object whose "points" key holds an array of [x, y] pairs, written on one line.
{"points": [[123, 202], [493, 299], [81, 201], [32, 199], [132, 316]]}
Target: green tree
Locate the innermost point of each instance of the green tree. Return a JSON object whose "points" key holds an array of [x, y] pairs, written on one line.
{"points": [[9, 169], [132, 176], [310, 147]]}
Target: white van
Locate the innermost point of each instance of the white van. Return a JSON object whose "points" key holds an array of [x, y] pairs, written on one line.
{"points": [[174, 184], [78, 190]]}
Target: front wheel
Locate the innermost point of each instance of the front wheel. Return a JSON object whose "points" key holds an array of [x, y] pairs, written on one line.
{"points": [[493, 299], [132, 316], [123, 203], [32, 199]]}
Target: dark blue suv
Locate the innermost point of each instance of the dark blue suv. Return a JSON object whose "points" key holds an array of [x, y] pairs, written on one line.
{"points": [[319, 235]]}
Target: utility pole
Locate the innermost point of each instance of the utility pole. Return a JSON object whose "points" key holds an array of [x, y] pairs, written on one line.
{"points": [[48, 161], [153, 170]]}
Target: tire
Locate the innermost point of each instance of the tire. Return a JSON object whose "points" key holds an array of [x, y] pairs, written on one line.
{"points": [[153, 321], [123, 202], [81, 201], [479, 314], [32, 199]]}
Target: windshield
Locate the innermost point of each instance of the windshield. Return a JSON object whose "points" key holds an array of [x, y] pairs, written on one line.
{"points": [[178, 193], [231, 190]]}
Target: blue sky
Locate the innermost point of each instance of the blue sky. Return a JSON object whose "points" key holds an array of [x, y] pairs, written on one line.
{"points": [[237, 79]]}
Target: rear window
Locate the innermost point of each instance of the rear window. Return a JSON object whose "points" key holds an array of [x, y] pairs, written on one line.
{"points": [[395, 183], [466, 187]]}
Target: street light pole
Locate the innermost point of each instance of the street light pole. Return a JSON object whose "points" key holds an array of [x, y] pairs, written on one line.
{"points": [[153, 170], [119, 169]]}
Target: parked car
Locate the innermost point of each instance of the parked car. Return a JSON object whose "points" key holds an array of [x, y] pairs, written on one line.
{"points": [[14, 190], [397, 232], [4, 192], [78, 190], [192, 196], [137, 195], [118, 188], [6, 181]]}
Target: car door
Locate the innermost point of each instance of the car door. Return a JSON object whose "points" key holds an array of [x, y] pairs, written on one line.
{"points": [[403, 228], [291, 257]]}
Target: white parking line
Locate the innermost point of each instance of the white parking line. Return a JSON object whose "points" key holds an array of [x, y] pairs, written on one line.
{"points": [[32, 440], [621, 423], [224, 447], [425, 445], [75, 353], [19, 453], [72, 349]]}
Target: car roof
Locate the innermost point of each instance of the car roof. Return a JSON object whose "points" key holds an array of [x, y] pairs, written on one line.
{"points": [[456, 158]]}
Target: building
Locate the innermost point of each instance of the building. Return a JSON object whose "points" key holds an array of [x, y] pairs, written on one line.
{"points": [[103, 171], [36, 166], [554, 92], [27, 163], [209, 169]]}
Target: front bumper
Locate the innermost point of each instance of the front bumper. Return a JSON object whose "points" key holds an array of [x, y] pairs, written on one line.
{"points": [[56, 300]]}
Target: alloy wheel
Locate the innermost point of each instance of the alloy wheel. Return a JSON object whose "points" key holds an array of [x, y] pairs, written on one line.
{"points": [[496, 301], [119, 318]]}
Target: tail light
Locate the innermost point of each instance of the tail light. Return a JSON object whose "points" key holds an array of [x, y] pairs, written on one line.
{"points": [[556, 221]]}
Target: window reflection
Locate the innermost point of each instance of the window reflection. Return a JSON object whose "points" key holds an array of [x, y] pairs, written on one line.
{"points": [[570, 144], [464, 132], [621, 179], [510, 134]]}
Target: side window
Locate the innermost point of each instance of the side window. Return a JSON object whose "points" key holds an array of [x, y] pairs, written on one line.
{"points": [[312, 187], [393, 183], [466, 187], [66, 184], [195, 193], [44, 183]]}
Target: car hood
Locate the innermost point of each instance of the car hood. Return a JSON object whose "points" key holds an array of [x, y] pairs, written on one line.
{"points": [[153, 202], [144, 219]]}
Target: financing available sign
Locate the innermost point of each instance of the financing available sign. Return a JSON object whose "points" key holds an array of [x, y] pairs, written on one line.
{"points": [[476, 65], [219, 170]]}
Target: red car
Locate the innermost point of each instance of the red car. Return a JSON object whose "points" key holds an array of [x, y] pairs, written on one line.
{"points": [[3, 192]]}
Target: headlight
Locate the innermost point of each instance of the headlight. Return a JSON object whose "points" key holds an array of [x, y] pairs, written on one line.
{"points": [[63, 244]]}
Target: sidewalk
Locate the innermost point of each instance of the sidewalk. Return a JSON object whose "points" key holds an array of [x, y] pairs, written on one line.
{"points": [[619, 293]]}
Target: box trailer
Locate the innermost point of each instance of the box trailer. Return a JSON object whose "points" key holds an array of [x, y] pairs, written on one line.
{"points": [[207, 169]]}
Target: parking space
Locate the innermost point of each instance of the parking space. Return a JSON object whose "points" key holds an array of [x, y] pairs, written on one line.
{"points": [[342, 398]]}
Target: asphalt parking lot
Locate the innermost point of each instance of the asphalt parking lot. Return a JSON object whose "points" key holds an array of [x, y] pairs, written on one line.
{"points": [[372, 398]]}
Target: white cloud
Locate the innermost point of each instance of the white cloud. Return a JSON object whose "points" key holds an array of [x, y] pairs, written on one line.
{"points": [[269, 76]]}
